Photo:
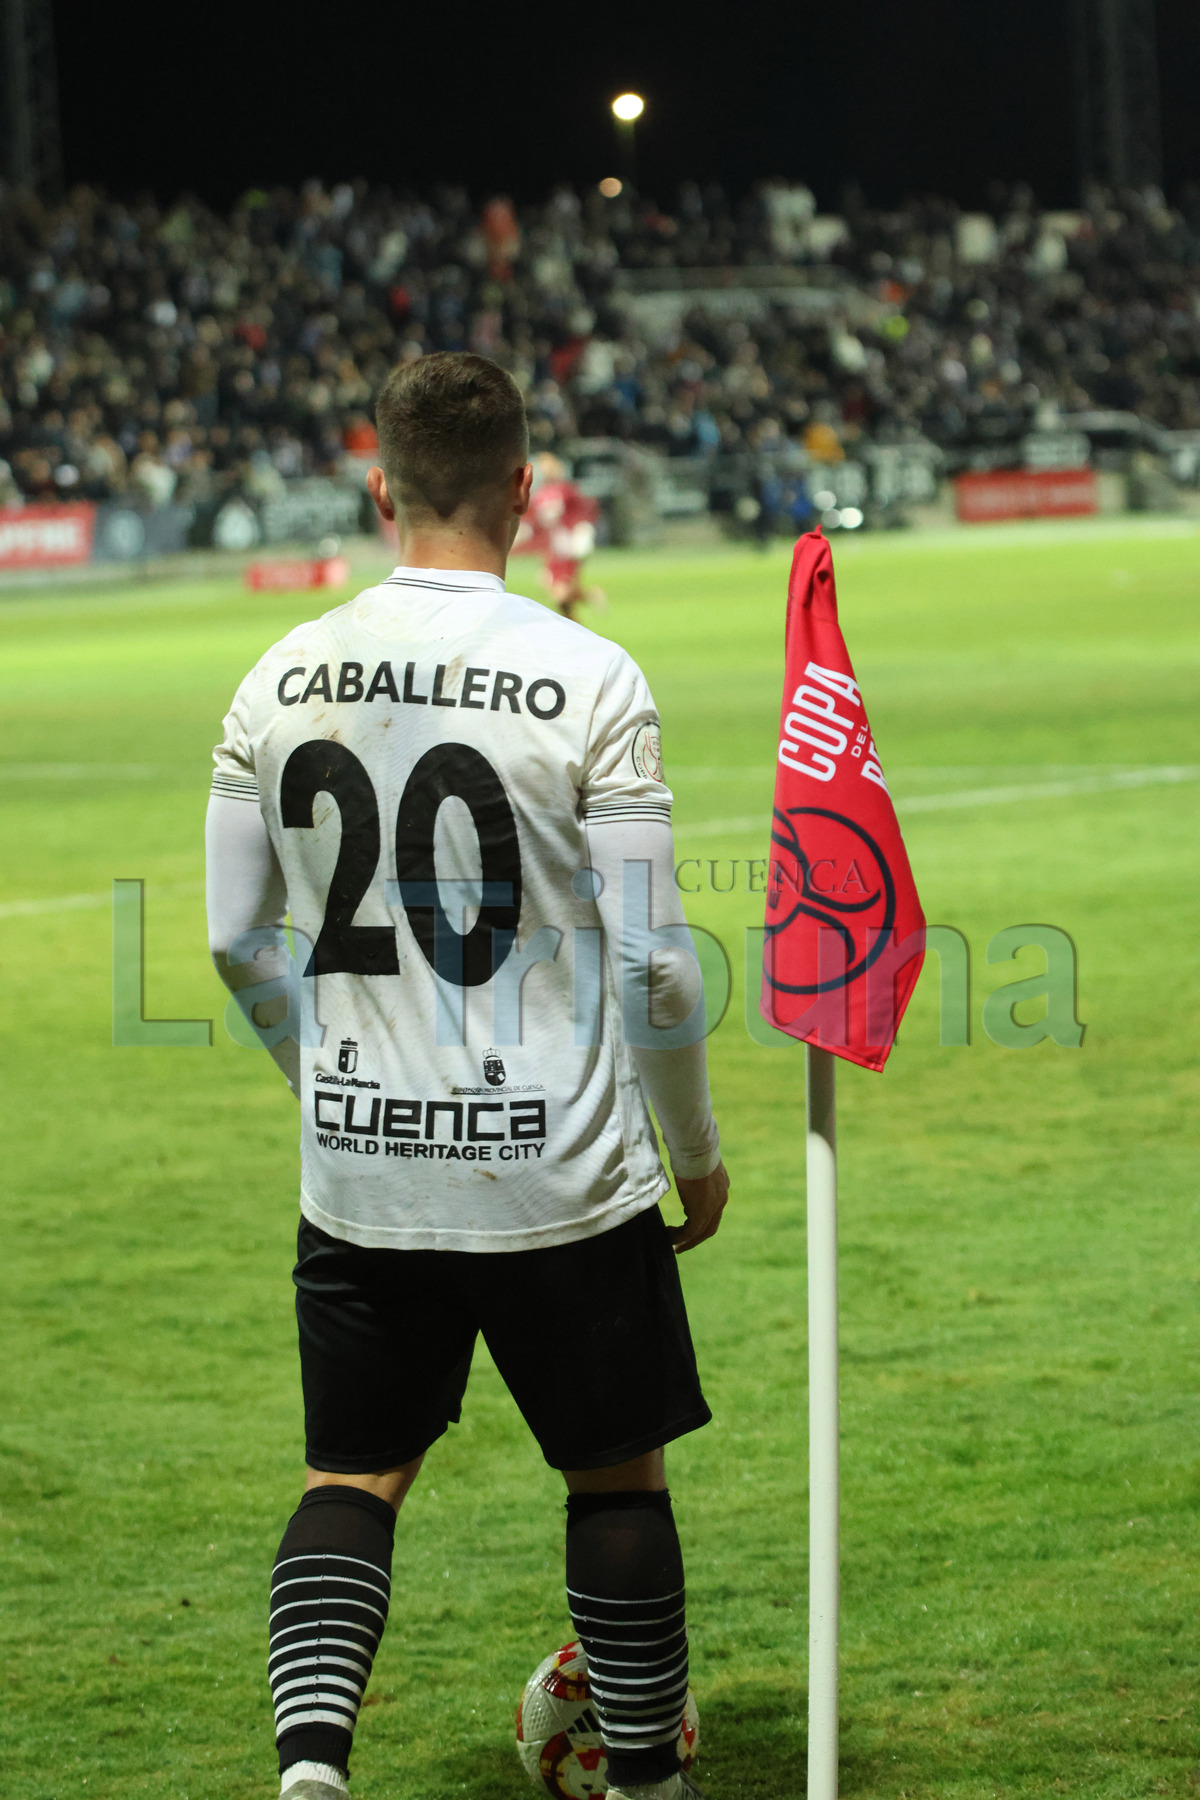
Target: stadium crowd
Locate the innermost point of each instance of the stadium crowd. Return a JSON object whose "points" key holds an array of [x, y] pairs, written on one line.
{"points": [[173, 353]]}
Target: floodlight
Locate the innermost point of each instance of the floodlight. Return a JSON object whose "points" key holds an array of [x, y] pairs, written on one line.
{"points": [[610, 187], [629, 107]]}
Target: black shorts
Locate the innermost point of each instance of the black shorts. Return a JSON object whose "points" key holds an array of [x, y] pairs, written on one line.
{"points": [[591, 1339]]}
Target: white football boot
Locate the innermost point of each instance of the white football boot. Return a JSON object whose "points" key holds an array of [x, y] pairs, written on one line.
{"points": [[314, 1781], [675, 1787]]}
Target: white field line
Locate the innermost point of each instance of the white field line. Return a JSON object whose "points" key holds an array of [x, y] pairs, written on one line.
{"points": [[1019, 533], [1163, 775], [29, 909], [1113, 781], [55, 903], [921, 771], [77, 772]]}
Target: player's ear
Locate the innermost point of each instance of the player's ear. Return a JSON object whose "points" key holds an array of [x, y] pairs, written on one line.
{"points": [[522, 483], [377, 488]]}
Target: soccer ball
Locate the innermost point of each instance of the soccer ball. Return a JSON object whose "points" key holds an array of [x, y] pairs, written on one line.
{"points": [[558, 1734]]}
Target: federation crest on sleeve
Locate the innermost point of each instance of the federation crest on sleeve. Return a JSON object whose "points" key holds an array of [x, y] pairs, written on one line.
{"points": [[647, 753]]}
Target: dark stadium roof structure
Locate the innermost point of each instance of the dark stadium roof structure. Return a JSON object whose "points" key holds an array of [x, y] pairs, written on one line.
{"points": [[934, 97]]}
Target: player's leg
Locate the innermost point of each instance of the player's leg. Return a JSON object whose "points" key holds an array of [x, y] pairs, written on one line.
{"points": [[389, 1484], [566, 589], [332, 1575], [623, 1384], [625, 1588], [646, 1473], [574, 594], [330, 1590], [570, 591], [384, 1359]]}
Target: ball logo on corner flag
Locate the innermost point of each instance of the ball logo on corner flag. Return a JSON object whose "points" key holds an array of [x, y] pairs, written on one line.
{"points": [[845, 933], [849, 890]]}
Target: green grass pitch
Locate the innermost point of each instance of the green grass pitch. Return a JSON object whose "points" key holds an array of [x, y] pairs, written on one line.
{"points": [[1020, 1266]]}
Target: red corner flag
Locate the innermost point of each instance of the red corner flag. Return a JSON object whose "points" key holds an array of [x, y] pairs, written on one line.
{"points": [[845, 935]]}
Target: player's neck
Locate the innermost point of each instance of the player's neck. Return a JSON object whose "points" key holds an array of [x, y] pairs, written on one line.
{"points": [[454, 547]]}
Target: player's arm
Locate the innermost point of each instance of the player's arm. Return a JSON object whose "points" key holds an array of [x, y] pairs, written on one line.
{"points": [[658, 978], [245, 891]]}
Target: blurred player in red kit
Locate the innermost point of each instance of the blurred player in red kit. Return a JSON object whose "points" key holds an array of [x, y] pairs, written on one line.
{"points": [[502, 235], [561, 526]]}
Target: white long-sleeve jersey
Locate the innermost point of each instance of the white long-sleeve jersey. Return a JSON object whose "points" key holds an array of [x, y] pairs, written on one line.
{"points": [[459, 796]]}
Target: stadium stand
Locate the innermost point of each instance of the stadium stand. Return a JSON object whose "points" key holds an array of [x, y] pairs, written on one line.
{"points": [[175, 355]]}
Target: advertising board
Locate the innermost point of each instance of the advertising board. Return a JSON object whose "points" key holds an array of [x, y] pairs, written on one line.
{"points": [[1025, 494], [36, 536]]}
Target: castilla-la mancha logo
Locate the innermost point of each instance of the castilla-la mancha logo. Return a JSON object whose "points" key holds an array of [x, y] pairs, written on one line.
{"points": [[825, 868]]}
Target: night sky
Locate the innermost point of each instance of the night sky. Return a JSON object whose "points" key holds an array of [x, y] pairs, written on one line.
{"points": [[940, 96]]}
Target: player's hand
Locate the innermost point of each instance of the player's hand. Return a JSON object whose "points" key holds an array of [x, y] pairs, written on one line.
{"points": [[703, 1201]]}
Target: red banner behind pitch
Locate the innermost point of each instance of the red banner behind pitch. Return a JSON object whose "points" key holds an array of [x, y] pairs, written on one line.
{"points": [[33, 537], [1025, 494]]}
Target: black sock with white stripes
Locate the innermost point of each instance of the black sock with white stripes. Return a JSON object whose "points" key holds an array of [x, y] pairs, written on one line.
{"points": [[625, 1590], [329, 1603]]}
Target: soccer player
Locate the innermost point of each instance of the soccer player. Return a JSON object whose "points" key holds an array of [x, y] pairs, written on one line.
{"points": [[560, 525], [485, 907]]}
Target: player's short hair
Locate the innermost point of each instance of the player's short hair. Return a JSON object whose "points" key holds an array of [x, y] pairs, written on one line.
{"points": [[450, 425]]}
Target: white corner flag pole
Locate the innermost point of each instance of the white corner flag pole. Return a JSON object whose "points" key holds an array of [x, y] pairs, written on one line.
{"points": [[823, 1446]]}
